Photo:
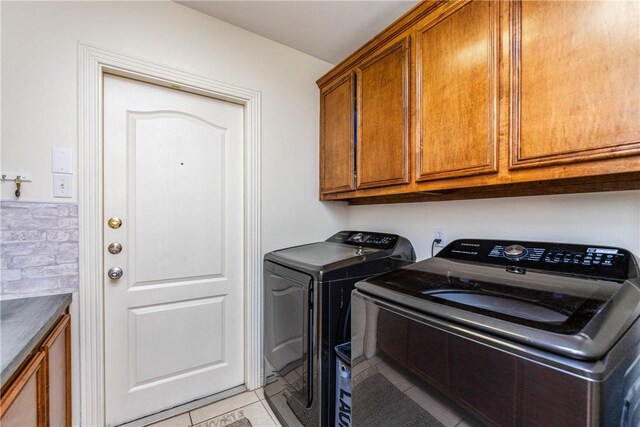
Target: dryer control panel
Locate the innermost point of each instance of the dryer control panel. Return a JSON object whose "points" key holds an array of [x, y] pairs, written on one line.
{"points": [[365, 239], [602, 262]]}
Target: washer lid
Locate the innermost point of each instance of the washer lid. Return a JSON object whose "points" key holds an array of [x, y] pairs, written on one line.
{"points": [[577, 317]]}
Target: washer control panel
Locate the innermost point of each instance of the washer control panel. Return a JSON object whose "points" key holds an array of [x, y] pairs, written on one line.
{"points": [[585, 260]]}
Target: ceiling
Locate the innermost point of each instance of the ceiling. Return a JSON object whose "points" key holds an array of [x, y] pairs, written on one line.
{"points": [[328, 30]]}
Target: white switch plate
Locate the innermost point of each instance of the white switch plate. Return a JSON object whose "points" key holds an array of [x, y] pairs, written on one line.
{"points": [[61, 185], [61, 160]]}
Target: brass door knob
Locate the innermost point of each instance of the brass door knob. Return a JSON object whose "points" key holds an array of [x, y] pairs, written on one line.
{"points": [[114, 222]]}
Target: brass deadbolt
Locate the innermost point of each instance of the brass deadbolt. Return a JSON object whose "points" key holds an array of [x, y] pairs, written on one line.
{"points": [[114, 223]]}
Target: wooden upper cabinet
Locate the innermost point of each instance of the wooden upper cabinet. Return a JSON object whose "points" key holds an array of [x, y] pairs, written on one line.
{"points": [[336, 139], [473, 98], [383, 117], [457, 91], [575, 73]]}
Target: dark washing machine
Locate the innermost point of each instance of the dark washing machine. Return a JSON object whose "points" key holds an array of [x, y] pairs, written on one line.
{"points": [[307, 291], [500, 333]]}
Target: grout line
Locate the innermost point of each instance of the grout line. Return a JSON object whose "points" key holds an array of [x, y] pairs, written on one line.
{"points": [[190, 419], [268, 413]]}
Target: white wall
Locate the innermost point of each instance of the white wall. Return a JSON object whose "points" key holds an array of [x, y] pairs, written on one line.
{"points": [[600, 218], [40, 109], [39, 99]]}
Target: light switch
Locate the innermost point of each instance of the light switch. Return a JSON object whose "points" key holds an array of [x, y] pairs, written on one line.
{"points": [[61, 160], [62, 185]]}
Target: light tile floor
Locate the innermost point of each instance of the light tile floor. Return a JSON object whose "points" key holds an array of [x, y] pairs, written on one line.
{"points": [[430, 402], [250, 405]]}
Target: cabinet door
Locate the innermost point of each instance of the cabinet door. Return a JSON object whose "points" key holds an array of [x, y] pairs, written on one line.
{"points": [[575, 71], [57, 348], [23, 404], [457, 87], [383, 118], [336, 139]]}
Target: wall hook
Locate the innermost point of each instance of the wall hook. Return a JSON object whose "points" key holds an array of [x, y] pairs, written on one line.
{"points": [[17, 178], [18, 182]]}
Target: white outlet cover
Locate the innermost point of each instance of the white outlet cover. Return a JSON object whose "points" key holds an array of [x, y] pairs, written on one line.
{"points": [[62, 185], [440, 233], [61, 160]]}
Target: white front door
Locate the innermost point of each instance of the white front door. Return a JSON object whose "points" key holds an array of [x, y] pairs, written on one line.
{"points": [[173, 174]]}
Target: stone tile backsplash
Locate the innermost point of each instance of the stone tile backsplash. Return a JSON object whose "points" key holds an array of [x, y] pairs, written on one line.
{"points": [[38, 248]]}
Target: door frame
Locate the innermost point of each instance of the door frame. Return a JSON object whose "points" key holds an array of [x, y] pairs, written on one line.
{"points": [[93, 63]]}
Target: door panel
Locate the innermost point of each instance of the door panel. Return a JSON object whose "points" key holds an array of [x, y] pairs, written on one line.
{"points": [[158, 240], [162, 333], [457, 68], [173, 168], [383, 118], [576, 65]]}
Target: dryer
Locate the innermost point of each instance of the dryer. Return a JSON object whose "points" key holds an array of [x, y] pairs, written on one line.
{"points": [[307, 292]]}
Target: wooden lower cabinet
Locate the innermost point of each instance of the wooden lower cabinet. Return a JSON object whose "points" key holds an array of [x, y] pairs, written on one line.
{"points": [[23, 404], [57, 349], [40, 393]]}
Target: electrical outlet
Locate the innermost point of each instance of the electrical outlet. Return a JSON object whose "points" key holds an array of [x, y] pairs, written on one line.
{"points": [[61, 185], [440, 233]]}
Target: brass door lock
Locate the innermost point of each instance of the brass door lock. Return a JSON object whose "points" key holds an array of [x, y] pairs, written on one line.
{"points": [[114, 223]]}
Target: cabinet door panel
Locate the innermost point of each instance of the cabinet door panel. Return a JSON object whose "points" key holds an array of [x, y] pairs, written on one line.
{"points": [[383, 118], [576, 81], [23, 404], [457, 86], [57, 348], [337, 151]]}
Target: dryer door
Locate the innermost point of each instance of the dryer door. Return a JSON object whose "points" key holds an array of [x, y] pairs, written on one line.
{"points": [[288, 334]]}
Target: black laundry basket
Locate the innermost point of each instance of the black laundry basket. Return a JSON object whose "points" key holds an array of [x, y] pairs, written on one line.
{"points": [[343, 385]]}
